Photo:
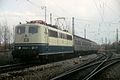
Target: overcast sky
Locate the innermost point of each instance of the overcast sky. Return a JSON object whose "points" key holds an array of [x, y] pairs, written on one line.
{"points": [[100, 18]]}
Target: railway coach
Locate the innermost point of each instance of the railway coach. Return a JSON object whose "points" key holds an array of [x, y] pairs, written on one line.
{"points": [[84, 46]]}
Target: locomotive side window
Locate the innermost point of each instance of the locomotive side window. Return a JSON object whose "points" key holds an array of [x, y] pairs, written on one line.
{"points": [[60, 35], [33, 30], [63, 36], [20, 30], [69, 37], [52, 33]]}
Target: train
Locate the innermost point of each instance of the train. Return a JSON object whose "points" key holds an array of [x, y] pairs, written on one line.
{"points": [[83, 46], [38, 40]]}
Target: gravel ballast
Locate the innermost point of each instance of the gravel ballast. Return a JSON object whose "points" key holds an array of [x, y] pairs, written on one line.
{"points": [[45, 72]]}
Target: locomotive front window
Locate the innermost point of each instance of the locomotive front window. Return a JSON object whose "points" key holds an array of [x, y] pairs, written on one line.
{"points": [[33, 30], [20, 30]]}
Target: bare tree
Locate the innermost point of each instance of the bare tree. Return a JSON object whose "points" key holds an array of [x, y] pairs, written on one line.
{"points": [[5, 35]]}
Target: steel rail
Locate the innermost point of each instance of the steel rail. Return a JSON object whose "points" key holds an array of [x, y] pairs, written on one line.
{"points": [[79, 67], [98, 67], [13, 67], [101, 69]]}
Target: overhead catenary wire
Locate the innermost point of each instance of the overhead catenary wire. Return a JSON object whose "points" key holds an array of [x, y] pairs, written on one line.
{"points": [[37, 6], [59, 8], [98, 9], [110, 7], [40, 7], [48, 11]]}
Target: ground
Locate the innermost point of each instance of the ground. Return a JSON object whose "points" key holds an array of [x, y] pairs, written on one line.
{"points": [[45, 72]]}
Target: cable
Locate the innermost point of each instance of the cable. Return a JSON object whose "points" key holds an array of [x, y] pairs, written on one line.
{"points": [[62, 10], [98, 9], [112, 10], [33, 4], [36, 5]]}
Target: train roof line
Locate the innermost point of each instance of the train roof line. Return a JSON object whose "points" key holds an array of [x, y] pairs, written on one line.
{"points": [[85, 39], [49, 25], [44, 23]]}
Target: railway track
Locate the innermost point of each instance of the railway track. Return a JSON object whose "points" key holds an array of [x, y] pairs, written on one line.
{"points": [[72, 71], [14, 67], [88, 71], [20, 66], [102, 64], [93, 75], [11, 67]]}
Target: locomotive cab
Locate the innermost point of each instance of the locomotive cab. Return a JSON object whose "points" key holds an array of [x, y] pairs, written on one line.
{"points": [[28, 38]]}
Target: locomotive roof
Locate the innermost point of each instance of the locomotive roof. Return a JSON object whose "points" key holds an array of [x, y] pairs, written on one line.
{"points": [[26, 24], [44, 23], [54, 27]]}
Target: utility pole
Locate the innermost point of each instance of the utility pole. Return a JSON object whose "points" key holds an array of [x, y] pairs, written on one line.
{"points": [[102, 40], [106, 43], [117, 40], [73, 31], [45, 8], [85, 33], [116, 35], [45, 13], [50, 18], [105, 40], [73, 26]]}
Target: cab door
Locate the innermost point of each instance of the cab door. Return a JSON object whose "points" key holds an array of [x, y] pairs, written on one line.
{"points": [[46, 39]]}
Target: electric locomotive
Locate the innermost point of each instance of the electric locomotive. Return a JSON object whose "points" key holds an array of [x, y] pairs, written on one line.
{"points": [[37, 38]]}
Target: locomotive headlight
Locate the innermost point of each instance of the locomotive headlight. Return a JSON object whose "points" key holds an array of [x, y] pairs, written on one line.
{"points": [[34, 47], [19, 47]]}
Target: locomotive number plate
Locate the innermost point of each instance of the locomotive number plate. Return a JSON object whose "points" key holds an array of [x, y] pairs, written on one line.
{"points": [[26, 40]]}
